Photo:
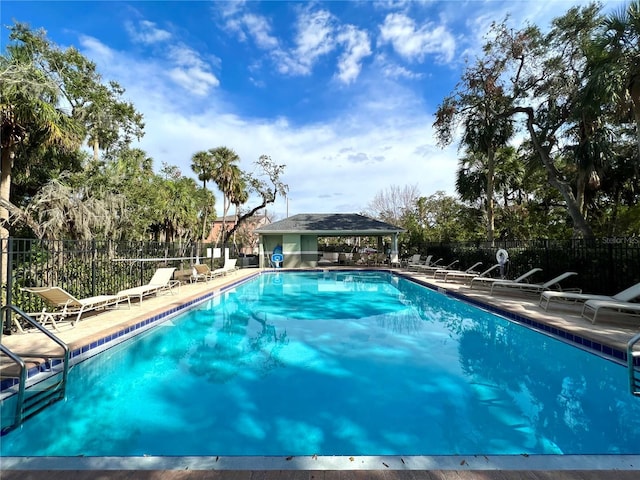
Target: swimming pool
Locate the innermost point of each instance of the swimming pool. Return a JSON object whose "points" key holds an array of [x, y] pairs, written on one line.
{"points": [[337, 363]]}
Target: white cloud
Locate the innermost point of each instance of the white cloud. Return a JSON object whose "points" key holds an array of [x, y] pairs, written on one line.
{"points": [[260, 29], [413, 42], [356, 48], [314, 38], [336, 165], [99, 52], [393, 70], [146, 32]]}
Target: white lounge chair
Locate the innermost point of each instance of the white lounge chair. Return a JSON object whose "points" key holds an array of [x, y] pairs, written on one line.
{"points": [[443, 271], [427, 265], [201, 271], [434, 266], [70, 306], [415, 260], [160, 281], [454, 275], [532, 287], [593, 307], [488, 281], [624, 296], [229, 266]]}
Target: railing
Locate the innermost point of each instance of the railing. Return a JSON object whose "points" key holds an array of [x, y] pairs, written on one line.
{"points": [[634, 372], [41, 398]]}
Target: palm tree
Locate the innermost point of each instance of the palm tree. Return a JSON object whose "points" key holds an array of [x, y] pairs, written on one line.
{"points": [[202, 164], [227, 175], [474, 105], [615, 63], [30, 113]]}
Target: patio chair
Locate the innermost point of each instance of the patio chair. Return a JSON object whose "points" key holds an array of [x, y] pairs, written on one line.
{"points": [[229, 266], [624, 296], [415, 260], [69, 306], [160, 281], [595, 306], [533, 287], [488, 281], [455, 275], [443, 271], [428, 262], [433, 266], [201, 271]]}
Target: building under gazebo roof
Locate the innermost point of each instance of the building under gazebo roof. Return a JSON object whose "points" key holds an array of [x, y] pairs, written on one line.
{"points": [[297, 236]]}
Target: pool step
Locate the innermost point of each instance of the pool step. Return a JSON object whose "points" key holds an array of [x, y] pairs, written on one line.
{"points": [[26, 402], [37, 400]]}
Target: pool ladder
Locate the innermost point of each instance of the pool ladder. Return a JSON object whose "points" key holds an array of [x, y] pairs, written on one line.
{"points": [[634, 370], [30, 401]]}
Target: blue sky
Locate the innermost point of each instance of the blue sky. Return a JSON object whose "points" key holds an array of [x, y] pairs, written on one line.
{"points": [[342, 93]]}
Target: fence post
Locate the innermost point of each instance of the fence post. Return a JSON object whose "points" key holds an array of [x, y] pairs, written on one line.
{"points": [[6, 321], [94, 254]]}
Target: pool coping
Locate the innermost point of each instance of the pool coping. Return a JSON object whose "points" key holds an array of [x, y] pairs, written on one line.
{"points": [[343, 462], [316, 462]]}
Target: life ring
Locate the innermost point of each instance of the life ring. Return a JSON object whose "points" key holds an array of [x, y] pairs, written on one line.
{"points": [[502, 256]]}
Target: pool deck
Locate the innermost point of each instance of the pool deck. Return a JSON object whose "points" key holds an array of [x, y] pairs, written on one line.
{"points": [[610, 330]]}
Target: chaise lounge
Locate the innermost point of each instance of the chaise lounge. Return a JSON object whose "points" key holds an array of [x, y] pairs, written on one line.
{"points": [[455, 275], [593, 307], [624, 296], [488, 281], [229, 266], [201, 271], [444, 271], [532, 287], [69, 306], [161, 280]]}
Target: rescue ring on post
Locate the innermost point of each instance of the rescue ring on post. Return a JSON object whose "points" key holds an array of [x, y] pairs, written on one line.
{"points": [[502, 256]]}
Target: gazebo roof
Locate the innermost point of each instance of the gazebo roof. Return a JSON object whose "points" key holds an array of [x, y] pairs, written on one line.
{"points": [[330, 224]]}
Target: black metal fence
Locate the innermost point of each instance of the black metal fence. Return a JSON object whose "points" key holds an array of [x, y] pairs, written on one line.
{"points": [[89, 268], [606, 265]]}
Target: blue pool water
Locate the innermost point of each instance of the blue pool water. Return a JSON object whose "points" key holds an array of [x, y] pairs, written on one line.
{"points": [[337, 363]]}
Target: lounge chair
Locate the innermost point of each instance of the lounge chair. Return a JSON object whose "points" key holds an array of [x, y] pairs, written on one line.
{"points": [[161, 281], [630, 308], [201, 271], [433, 267], [394, 260], [443, 271], [532, 287], [488, 281], [428, 263], [229, 266], [70, 306], [455, 275], [415, 260], [624, 296], [621, 302]]}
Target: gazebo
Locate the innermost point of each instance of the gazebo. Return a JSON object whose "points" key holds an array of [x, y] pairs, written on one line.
{"points": [[296, 237]]}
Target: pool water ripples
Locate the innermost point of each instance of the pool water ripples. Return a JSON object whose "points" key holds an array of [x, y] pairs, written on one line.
{"points": [[337, 363]]}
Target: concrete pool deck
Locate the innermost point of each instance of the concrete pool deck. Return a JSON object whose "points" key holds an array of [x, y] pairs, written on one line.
{"points": [[610, 330]]}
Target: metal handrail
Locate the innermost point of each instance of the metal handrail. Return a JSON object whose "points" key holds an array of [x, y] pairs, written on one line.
{"points": [[631, 356], [22, 383], [21, 364]]}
